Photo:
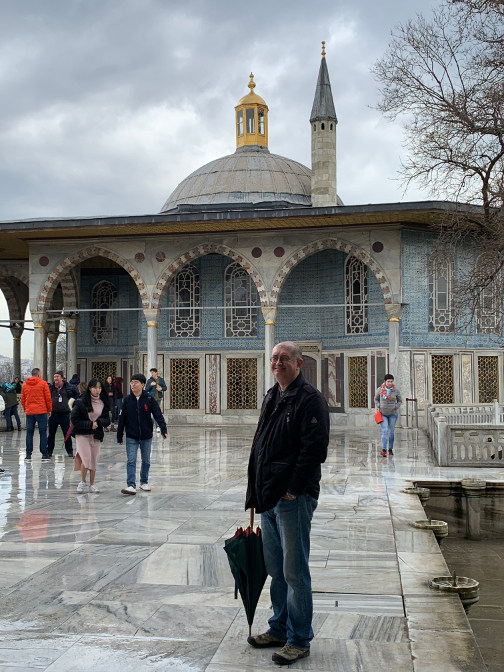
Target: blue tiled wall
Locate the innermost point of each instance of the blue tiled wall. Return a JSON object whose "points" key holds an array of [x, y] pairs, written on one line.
{"points": [[211, 269], [127, 322], [414, 326], [320, 279]]}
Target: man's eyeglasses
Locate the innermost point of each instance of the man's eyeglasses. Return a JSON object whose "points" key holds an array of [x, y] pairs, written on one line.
{"points": [[283, 359]]}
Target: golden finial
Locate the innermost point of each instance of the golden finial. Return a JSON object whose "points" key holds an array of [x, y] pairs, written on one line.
{"points": [[323, 49], [251, 84]]}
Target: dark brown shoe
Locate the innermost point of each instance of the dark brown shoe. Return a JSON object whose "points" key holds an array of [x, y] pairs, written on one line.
{"points": [[289, 654], [264, 641]]}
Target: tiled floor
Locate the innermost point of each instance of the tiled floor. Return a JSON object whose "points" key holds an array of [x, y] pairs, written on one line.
{"points": [[116, 583]]}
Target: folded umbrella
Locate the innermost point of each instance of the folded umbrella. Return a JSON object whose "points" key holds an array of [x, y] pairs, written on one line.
{"points": [[246, 560]]}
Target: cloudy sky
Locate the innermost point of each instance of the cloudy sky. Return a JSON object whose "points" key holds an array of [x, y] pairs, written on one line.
{"points": [[108, 104]]}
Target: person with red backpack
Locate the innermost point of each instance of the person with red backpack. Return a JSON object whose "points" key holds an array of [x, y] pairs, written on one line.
{"points": [[136, 415]]}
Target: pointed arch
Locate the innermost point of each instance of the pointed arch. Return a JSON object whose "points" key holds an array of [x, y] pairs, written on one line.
{"points": [[330, 244], [16, 297], [199, 251], [62, 269]]}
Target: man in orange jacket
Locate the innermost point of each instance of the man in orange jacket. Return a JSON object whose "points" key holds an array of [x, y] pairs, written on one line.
{"points": [[37, 404]]}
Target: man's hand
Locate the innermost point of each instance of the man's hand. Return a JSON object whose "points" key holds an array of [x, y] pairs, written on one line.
{"points": [[165, 436], [120, 443], [49, 414], [289, 495], [153, 383], [94, 425]]}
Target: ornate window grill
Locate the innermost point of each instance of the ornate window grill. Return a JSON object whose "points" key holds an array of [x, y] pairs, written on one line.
{"points": [[356, 296], [488, 314], [242, 382], [358, 382], [184, 383], [184, 295], [488, 379], [442, 379], [104, 321], [103, 369], [441, 276], [240, 297]]}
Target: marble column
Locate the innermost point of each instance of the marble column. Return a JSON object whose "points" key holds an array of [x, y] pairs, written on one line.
{"points": [[52, 337], [152, 317], [72, 324], [40, 342], [394, 317], [269, 343], [474, 490], [16, 350]]}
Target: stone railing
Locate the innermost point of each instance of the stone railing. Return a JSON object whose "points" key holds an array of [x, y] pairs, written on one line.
{"points": [[471, 436]]}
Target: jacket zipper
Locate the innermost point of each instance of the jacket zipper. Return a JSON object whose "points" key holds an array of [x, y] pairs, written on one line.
{"points": [[138, 413]]}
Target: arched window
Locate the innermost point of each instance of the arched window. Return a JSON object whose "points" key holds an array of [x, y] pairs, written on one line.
{"points": [[104, 320], [322, 126], [240, 297], [488, 315], [184, 295], [356, 296], [441, 275]]}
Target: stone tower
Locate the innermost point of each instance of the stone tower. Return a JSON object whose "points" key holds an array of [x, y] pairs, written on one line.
{"points": [[323, 122]]}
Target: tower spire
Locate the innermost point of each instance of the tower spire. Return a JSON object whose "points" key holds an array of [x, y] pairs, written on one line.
{"points": [[323, 122]]}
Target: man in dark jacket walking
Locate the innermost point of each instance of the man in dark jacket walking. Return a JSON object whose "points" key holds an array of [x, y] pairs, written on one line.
{"points": [[136, 415], [61, 393], [283, 485]]}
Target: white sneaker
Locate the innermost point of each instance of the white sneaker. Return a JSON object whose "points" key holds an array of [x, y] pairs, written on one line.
{"points": [[130, 490], [81, 486], [145, 486], [158, 430], [93, 488]]}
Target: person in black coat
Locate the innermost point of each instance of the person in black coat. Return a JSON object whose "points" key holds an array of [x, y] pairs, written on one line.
{"points": [[284, 475], [111, 390], [61, 395], [90, 416], [137, 412]]}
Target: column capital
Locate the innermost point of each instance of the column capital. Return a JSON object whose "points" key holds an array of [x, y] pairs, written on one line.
{"points": [[269, 315], [16, 332], [39, 319], [71, 323], [52, 336], [394, 312], [152, 316]]}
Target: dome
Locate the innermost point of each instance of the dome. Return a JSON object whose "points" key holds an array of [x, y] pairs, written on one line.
{"points": [[250, 175]]}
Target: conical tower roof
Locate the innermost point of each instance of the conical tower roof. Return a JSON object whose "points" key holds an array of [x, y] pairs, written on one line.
{"points": [[323, 103]]}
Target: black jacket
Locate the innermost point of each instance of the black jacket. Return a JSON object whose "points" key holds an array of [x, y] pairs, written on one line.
{"points": [[136, 417], [289, 446], [71, 393], [110, 387], [83, 425]]}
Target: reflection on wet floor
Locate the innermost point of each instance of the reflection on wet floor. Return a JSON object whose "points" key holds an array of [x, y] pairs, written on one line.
{"points": [[150, 570]]}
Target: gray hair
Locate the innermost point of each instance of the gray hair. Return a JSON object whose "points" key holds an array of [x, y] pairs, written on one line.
{"points": [[293, 348], [35, 371]]}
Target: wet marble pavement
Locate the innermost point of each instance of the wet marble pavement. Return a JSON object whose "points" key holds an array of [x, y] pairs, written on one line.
{"points": [[110, 582]]}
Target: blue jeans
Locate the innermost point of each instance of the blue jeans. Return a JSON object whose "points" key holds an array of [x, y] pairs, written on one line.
{"points": [[286, 543], [14, 412], [8, 421], [41, 420], [387, 431], [132, 446]]}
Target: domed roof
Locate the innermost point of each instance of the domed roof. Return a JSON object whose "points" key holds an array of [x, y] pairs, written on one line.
{"points": [[250, 175]]}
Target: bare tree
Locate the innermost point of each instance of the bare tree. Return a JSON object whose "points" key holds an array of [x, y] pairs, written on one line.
{"points": [[444, 77], [6, 372], [61, 354]]}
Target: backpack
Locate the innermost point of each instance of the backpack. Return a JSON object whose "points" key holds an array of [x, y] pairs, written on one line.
{"points": [[7, 387]]}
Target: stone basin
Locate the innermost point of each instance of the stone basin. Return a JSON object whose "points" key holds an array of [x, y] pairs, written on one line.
{"points": [[439, 527], [423, 493], [468, 589]]}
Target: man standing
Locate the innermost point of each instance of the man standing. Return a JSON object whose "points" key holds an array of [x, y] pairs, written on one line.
{"points": [[136, 418], [61, 393], [156, 386], [387, 400], [284, 473], [36, 401]]}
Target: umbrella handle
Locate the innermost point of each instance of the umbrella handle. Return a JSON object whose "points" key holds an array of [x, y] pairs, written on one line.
{"points": [[252, 511]]}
